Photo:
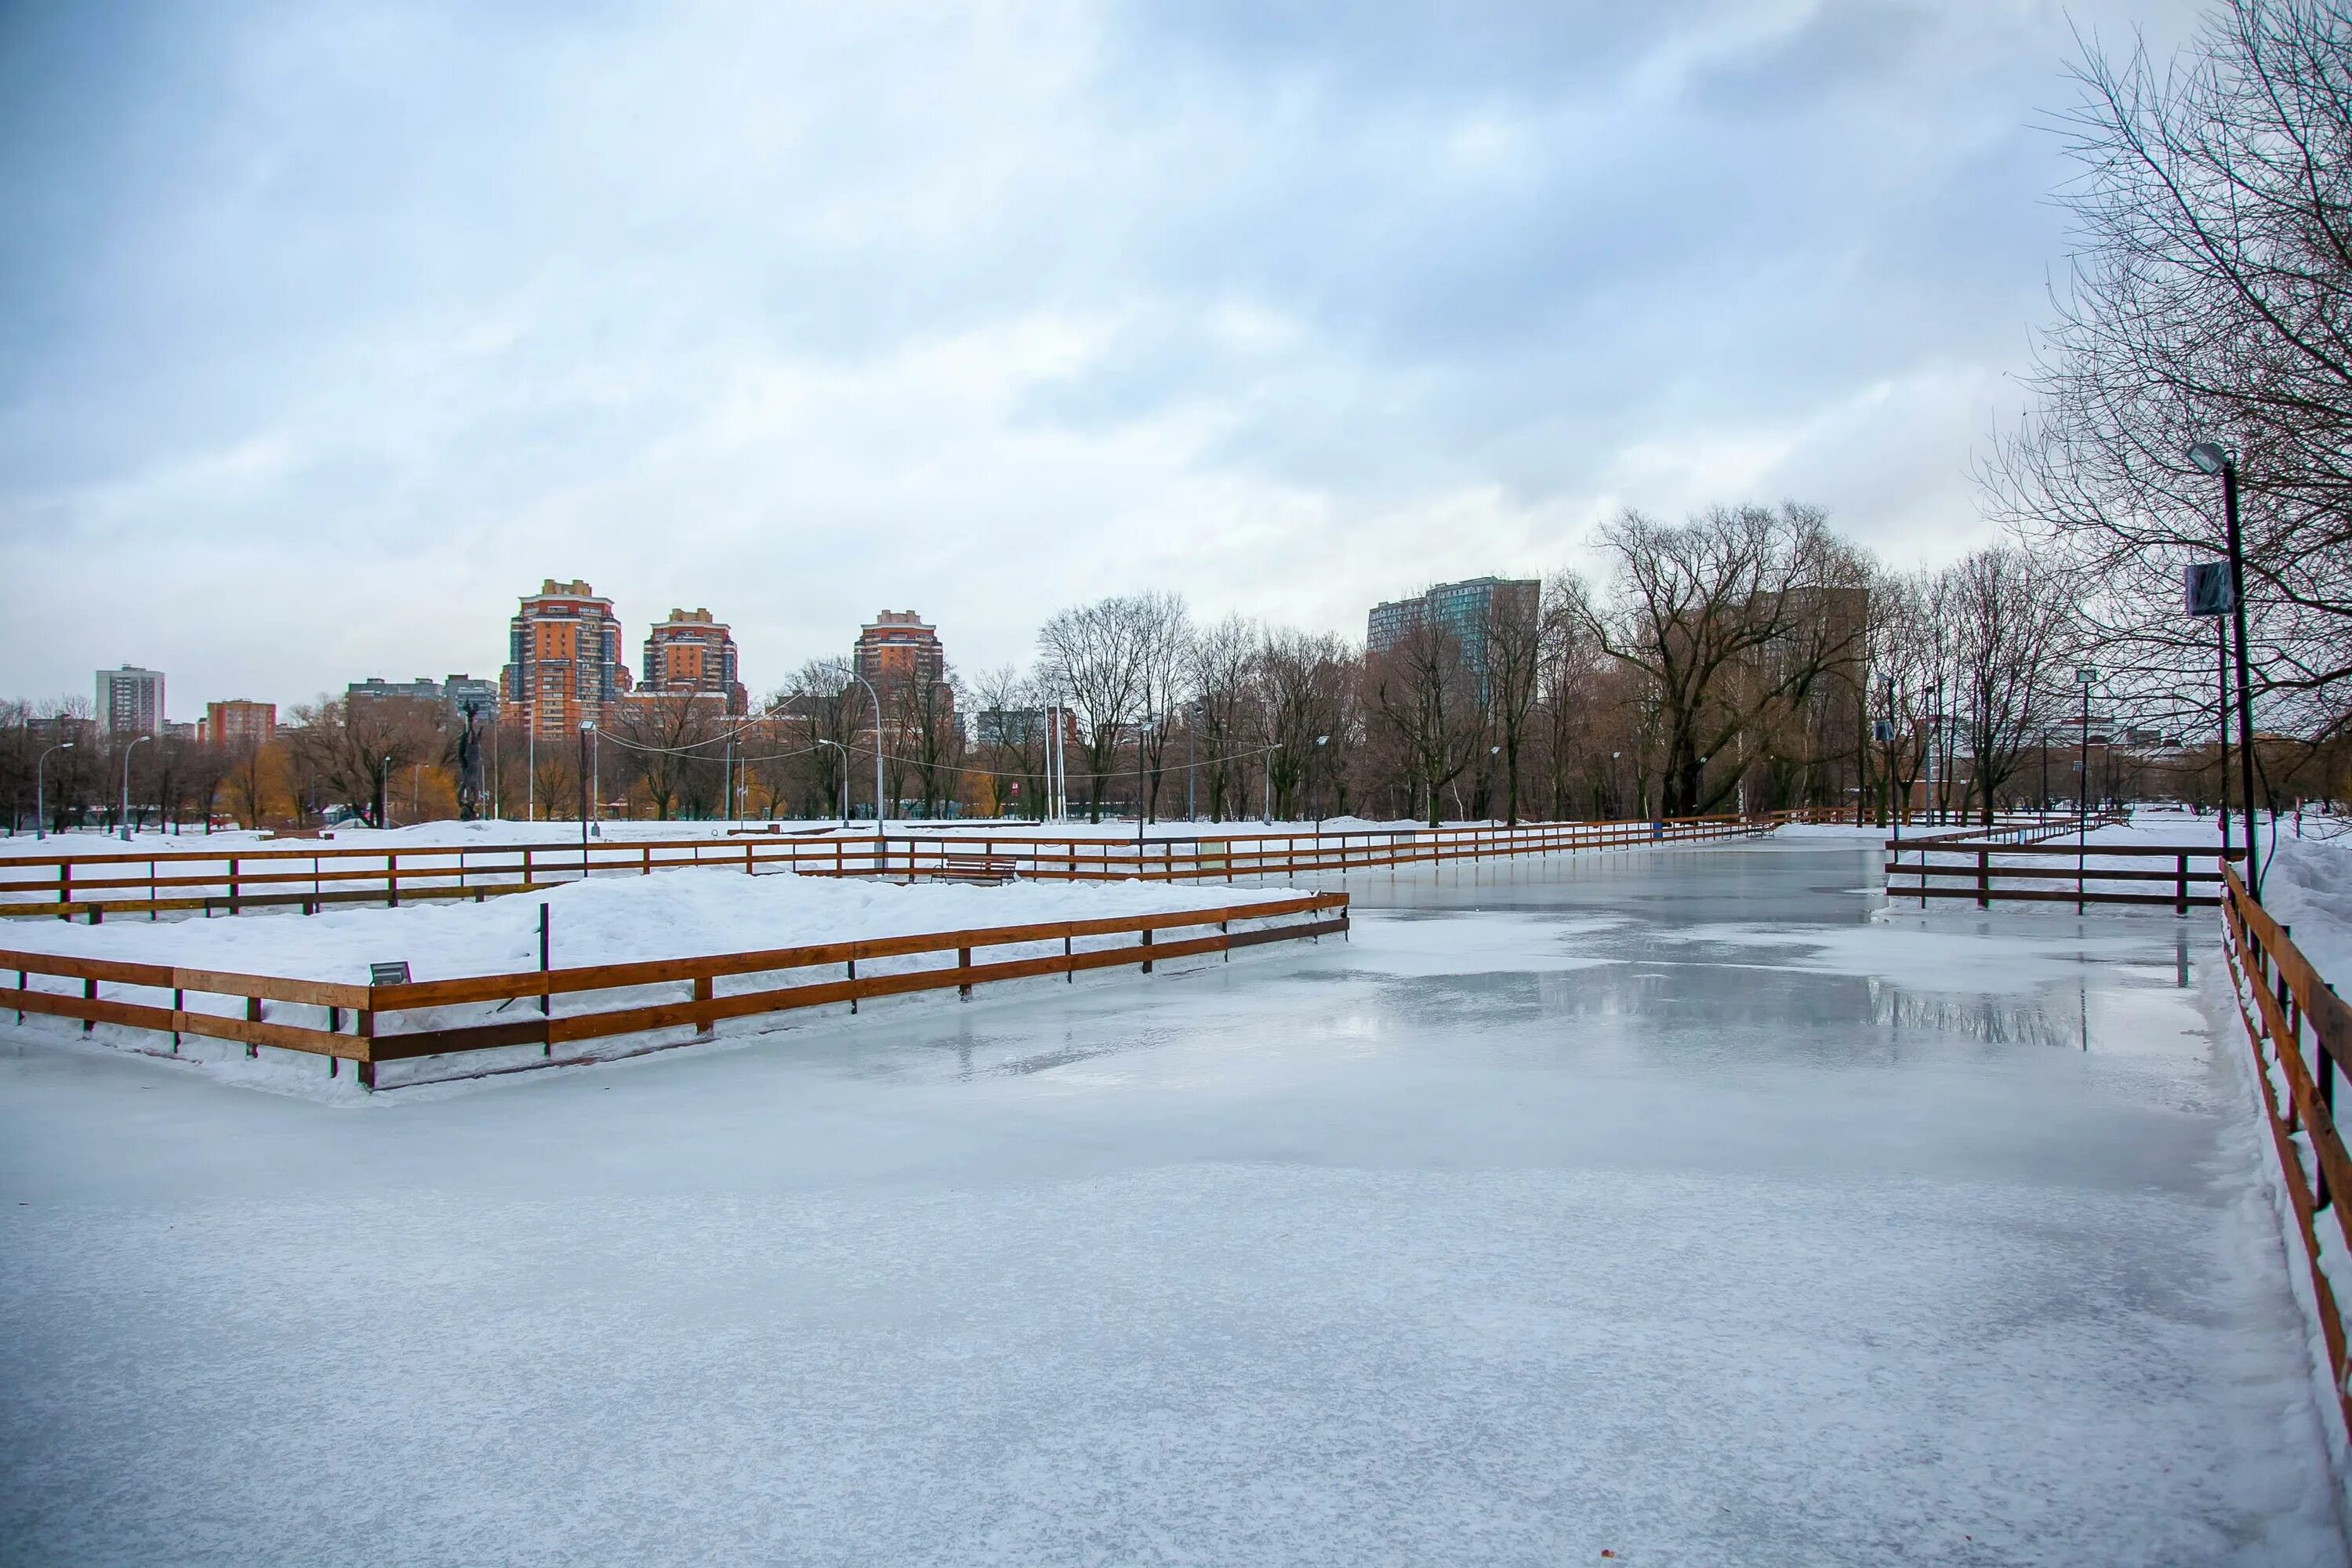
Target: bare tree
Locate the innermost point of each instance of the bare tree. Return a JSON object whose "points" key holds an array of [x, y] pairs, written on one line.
{"points": [[1092, 661], [1224, 672], [2210, 300], [346, 750], [1720, 614], [1513, 638], [670, 740], [1422, 696], [1164, 638], [2009, 616]]}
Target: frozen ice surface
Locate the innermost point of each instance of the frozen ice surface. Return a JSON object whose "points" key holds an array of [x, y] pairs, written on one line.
{"points": [[1745, 1232]]}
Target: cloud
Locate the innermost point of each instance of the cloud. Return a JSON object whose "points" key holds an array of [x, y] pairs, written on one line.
{"points": [[334, 329]]}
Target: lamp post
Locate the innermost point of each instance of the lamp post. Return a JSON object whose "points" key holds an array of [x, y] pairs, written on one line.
{"points": [[1141, 726], [40, 798], [2086, 676], [415, 792], [384, 792], [1270, 750], [1320, 742], [126, 783], [586, 726], [2210, 459], [877, 759]]}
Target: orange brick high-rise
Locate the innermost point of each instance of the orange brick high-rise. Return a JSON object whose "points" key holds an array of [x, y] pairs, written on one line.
{"points": [[692, 652], [563, 648], [899, 646]]}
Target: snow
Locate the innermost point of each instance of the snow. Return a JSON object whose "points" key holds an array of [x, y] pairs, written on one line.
{"points": [[1718, 1223], [2307, 885]]}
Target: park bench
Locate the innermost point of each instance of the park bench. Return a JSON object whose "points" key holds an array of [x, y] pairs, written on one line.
{"points": [[978, 867]]}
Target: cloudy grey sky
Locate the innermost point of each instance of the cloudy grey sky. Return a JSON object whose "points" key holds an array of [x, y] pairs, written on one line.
{"points": [[327, 330]]}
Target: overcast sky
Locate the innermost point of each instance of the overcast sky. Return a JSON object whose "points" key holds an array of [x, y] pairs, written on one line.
{"points": [[326, 331]]}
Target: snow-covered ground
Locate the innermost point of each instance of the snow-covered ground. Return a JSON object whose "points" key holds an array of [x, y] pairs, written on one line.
{"points": [[679, 914], [1671, 1203]]}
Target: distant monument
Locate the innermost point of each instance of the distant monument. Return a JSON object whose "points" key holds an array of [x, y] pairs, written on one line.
{"points": [[469, 769]]}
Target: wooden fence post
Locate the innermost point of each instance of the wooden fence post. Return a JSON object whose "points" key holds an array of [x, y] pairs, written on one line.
{"points": [[963, 962], [253, 1014]]}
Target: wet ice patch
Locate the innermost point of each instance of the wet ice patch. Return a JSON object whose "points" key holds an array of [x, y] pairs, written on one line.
{"points": [[2010, 962], [1418, 944]]}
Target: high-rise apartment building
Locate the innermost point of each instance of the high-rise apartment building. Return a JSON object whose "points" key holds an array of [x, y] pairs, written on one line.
{"points": [[238, 724], [692, 652], [563, 648], [899, 644], [451, 696], [1464, 609], [131, 700]]}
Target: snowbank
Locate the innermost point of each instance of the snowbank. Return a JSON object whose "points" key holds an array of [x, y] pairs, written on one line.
{"points": [[2308, 885]]}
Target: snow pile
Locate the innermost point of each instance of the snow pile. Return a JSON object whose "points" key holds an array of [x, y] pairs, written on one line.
{"points": [[2307, 884]]}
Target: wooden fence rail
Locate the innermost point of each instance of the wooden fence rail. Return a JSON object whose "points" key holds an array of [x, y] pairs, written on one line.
{"points": [[1988, 869], [67, 884], [2301, 1034], [382, 1028]]}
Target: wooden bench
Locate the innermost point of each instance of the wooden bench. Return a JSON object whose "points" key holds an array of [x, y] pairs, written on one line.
{"points": [[970, 868]]}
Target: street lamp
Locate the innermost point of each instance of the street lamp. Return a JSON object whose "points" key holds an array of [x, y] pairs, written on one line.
{"points": [[126, 783], [384, 792], [40, 800], [1320, 742], [2086, 677], [877, 759], [2210, 459], [587, 728]]}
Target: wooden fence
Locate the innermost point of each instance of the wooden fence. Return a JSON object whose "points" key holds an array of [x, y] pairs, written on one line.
{"points": [[2301, 1033], [2017, 867], [380, 1025], [66, 884]]}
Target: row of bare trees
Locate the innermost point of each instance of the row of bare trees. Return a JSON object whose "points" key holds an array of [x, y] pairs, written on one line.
{"points": [[2210, 300]]}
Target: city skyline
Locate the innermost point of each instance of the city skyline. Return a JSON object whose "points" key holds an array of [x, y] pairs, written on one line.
{"points": [[1281, 315]]}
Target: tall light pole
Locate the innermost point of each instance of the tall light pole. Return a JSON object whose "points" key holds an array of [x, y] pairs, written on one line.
{"points": [[40, 800], [877, 758], [586, 727], [2211, 460], [126, 783], [1320, 742], [384, 792]]}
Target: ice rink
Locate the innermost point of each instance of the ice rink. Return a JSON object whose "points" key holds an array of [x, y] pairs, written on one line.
{"points": [[1663, 1203]]}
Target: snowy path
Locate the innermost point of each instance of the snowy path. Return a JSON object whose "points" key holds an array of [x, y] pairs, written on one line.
{"points": [[1657, 1203]]}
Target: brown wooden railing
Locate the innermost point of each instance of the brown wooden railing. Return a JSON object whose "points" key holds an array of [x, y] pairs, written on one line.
{"points": [[379, 1029], [68, 884], [2301, 1033], [1989, 870]]}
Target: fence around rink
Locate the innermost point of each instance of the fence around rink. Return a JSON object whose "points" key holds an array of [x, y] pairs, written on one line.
{"points": [[2036, 866], [381, 1026], [66, 884], [2301, 1033]]}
